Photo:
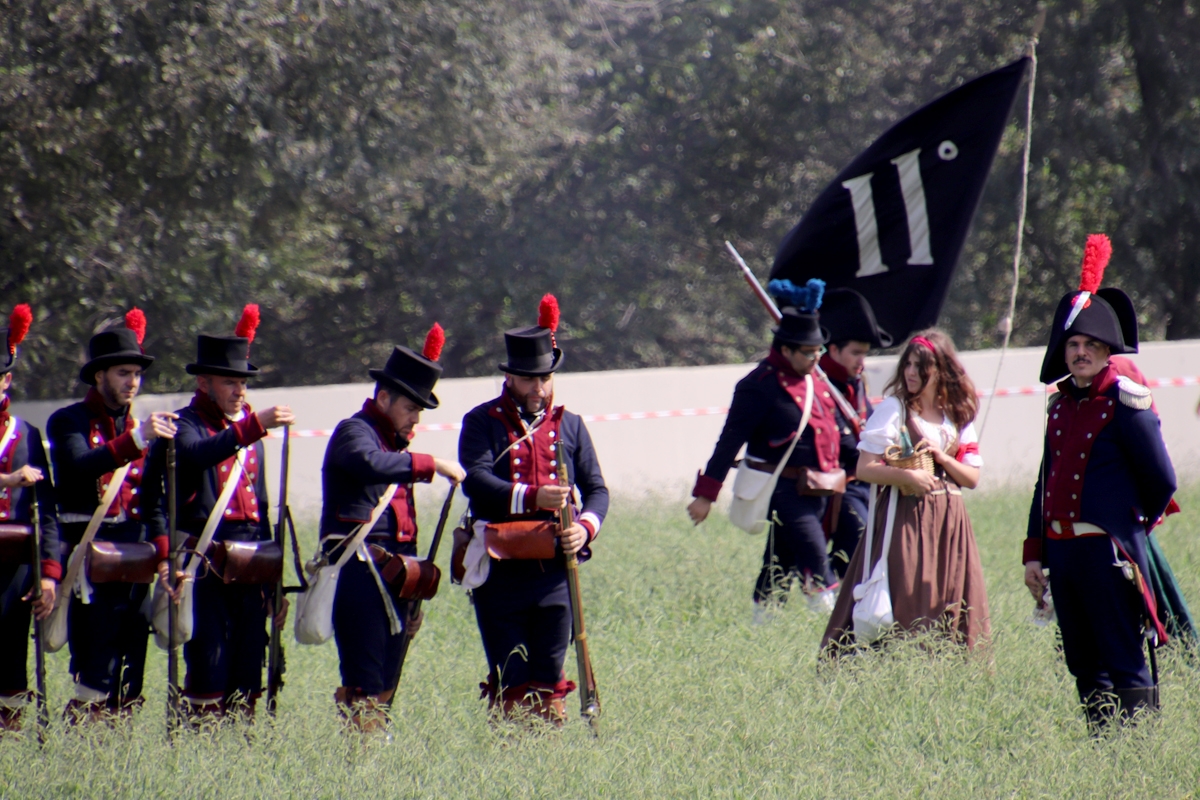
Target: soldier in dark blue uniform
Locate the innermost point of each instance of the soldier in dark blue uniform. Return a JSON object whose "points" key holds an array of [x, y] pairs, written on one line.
{"points": [[366, 455], [1106, 479], [218, 429], [89, 442], [519, 585], [853, 331], [764, 415], [22, 465]]}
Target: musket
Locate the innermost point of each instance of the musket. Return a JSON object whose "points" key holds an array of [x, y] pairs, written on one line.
{"points": [[174, 559], [414, 611], [589, 697], [275, 663], [39, 651], [848, 410]]}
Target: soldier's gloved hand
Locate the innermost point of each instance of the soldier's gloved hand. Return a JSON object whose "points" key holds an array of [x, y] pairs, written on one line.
{"points": [[278, 620], [159, 424], [552, 496], [44, 604], [573, 539], [450, 470], [164, 574], [276, 417], [1035, 579], [412, 624], [25, 476], [698, 509]]}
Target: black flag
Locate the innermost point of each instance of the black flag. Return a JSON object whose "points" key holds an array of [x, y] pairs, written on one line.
{"points": [[892, 224]]}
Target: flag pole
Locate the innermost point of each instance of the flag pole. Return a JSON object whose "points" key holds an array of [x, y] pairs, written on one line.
{"points": [[1031, 51]]}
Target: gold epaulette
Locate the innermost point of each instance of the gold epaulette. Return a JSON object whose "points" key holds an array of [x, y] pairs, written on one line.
{"points": [[1133, 394]]}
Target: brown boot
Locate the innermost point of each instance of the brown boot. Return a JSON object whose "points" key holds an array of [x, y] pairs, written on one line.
{"points": [[80, 712], [10, 719], [202, 714], [240, 708], [362, 712], [123, 710]]}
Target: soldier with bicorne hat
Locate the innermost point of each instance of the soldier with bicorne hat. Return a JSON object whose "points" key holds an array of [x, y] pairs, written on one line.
{"points": [[22, 466], [1105, 482], [366, 463], [514, 563], [220, 436], [91, 442], [765, 415], [853, 331]]}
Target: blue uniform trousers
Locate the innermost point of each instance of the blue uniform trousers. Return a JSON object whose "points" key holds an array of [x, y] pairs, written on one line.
{"points": [[524, 604], [851, 525], [229, 640], [368, 652], [1100, 614], [15, 616], [108, 635], [796, 546]]}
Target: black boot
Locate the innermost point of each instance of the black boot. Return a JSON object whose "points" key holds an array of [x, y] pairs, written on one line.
{"points": [[1099, 707], [1137, 702]]}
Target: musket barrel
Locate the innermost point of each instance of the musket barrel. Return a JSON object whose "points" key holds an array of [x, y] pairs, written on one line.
{"points": [[39, 650]]}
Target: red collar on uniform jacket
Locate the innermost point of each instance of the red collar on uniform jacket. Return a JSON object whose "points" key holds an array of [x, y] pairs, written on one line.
{"points": [[383, 425], [1103, 381], [100, 411], [4, 410], [513, 411], [836, 372], [826, 436], [211, 413]]}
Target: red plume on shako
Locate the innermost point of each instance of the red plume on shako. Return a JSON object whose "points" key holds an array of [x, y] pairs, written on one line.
{"points": [[135, 320], [548, 316], [18, 326], [248, 325], [434, 341]]}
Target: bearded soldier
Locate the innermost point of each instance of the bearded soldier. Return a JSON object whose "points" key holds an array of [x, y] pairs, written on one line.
{"points": [[221, 436], [853, 331], [91, 442], [514, 566], [1105, 481], [23, 473], [368, 461]]}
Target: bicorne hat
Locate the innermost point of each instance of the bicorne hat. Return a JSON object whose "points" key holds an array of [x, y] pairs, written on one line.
{"points": [[414, 374], [13, 335], [121, 344], [848, 316], [228, 356], [1106, 315], [533, 352], [800, 324]]}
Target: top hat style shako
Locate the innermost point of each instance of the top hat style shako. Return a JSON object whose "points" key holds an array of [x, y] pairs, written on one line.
{"points": [[848, 317], [800, 325], [533, 352], [13, 335], [117, 345], [228, 356], [414, 374], [1106, 315]]}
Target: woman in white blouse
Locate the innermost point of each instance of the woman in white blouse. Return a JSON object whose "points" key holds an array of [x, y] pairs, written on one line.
{"points": [[933, 568]]}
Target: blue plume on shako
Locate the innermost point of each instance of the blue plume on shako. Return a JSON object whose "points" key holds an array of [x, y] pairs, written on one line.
{"points": [[805, 299]]}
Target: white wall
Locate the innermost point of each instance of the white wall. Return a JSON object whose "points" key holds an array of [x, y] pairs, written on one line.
{"points": [[662, 456]]}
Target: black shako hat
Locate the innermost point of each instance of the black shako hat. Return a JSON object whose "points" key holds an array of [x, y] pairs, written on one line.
{"points": [[848, 316], [800, 322], [414, 374], [228, 356], [1106, 315], [13, 335], [533, 352], [117, 345]]}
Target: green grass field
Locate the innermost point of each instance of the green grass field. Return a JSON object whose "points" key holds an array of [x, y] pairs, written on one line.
{"points": [[697, 701]]}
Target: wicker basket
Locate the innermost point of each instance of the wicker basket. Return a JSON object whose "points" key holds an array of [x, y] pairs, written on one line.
{"points": [[922, 459]]}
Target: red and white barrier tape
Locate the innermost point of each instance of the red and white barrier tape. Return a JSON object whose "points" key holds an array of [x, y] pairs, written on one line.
{"points": [[1012, 391]]}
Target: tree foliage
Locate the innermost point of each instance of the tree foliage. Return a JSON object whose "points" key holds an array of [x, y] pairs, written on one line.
{"points": [[362, 168]]}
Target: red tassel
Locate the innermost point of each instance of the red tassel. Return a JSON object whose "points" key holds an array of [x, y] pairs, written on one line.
{"points": [[548, 312], [135, 320], [434, 341], [1096, 254], [248, 325], [18, 326]]}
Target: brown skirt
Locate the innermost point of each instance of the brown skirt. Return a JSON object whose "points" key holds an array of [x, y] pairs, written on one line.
{"points": [[934, 573]]}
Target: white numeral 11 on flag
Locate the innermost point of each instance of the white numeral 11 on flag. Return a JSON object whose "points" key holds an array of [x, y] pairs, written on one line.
{"points": [[870, 259]]}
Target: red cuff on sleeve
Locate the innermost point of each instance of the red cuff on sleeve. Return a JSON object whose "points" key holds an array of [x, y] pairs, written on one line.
{"points": [[530, 498], [248, 429], [51, 569], [706, 487], [422, 468], [1032, 551], [162, 544], [591, 531], [124, 449]]}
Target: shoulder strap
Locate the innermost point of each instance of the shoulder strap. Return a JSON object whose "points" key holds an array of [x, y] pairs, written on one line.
{"points": [[218, 511], [75, 564], [10, 432], [356, 539]]}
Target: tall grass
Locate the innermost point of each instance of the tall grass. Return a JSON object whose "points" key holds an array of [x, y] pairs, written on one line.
{"points": [[697, 701]]}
